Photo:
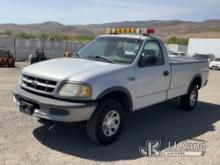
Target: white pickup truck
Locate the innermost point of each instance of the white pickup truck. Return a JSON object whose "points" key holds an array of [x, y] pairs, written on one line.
{"points": [[110, 77]]}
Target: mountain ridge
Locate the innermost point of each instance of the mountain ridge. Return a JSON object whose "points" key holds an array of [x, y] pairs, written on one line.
{"points": [[164, 28]]}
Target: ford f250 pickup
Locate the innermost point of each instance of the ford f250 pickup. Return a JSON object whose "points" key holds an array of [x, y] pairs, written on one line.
{"points": [[110, 77]]}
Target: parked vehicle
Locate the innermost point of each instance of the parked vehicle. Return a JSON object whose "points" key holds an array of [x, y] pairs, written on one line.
{"points": [[112, 76], [68, 54], [215, 64], [38, 56], [6, 57]]}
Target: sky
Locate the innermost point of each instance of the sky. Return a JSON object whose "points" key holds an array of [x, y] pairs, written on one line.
{"points": [[72, 12]]}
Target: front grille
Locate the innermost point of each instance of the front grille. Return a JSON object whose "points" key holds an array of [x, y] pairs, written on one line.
{"points": [[38, 85]]}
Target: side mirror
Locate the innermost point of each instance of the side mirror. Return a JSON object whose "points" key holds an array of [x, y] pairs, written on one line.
{"points": [[147, 61]]}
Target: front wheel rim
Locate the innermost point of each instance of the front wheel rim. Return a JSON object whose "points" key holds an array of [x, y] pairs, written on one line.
{"points": [[111, 123], [193, 98]]}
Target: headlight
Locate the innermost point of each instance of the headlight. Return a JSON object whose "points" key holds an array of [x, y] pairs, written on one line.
{"points": [[75, 90]]}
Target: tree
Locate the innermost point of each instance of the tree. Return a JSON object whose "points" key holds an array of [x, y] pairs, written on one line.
{"points": [[44, 36], [179, 41], [183, 41], [25, 35], [8, 32], [83, 38], [48, 36]]}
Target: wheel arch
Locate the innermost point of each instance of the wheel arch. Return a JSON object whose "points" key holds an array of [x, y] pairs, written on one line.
{"points": [[197, 80], [120, 94]]}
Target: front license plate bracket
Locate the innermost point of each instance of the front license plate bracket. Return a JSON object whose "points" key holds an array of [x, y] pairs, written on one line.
{"points": [[26, 107]]}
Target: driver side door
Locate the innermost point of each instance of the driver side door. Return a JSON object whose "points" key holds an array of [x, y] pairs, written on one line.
{"points": [[152, 80]]}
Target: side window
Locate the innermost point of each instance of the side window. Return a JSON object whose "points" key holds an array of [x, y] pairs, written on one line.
{"points": [[152, 48]]}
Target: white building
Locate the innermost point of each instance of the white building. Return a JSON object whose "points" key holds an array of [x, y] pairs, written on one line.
{"points": [[204, 46]]}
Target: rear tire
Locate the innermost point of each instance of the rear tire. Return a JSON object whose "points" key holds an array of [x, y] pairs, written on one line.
{"points": [[106, 123], [189, 101]]}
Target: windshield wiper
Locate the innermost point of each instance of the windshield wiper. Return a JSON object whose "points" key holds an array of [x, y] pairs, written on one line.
{"points": [[102, 58]]}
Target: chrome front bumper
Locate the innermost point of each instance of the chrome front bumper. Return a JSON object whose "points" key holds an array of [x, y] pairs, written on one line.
{"points": [[54, 109]]}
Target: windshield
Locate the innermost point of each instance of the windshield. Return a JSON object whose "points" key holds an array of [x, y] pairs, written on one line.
{"points": [[217, 59], [111, 49]]}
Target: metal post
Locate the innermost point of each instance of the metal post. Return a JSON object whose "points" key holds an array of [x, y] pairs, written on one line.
{"points": [[66, 46], [14, 45], [43, 45], [72, 47]]}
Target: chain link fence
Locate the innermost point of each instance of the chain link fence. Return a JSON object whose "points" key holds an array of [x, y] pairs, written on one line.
{"points": [[22, 48]]}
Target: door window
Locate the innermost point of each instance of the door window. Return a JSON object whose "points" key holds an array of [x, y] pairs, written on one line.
{"points": [[152, 48]]}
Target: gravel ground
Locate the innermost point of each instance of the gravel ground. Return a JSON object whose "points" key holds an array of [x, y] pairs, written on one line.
{"points": [[25, 140]]}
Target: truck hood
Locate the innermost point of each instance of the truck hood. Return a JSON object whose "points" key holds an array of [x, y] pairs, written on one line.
{"points": [[64, 68]]}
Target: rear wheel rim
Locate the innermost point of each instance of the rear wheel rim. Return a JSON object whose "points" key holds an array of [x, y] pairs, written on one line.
{"points": [[111, 123], [193, 98]]}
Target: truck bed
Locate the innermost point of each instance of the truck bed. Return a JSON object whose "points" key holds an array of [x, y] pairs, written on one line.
{"points": [[184, 69], [185, 60]]}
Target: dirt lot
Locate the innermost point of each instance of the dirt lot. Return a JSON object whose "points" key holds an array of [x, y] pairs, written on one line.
{"points": [[25, 140]]}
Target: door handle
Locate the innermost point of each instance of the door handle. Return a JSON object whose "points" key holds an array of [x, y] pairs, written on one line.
{"points": [[166, 73]]}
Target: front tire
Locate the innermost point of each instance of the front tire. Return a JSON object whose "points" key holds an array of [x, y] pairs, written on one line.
{"points": [[189, 101], [12, 64], [106, 123]]}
